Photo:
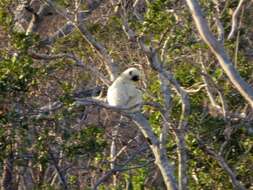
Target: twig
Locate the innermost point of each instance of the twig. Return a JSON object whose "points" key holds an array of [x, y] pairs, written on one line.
{"points": [[78, 62], [237, 38], [123, 148], [195, 90], [69, 26], [235, 19], [37, 17], [109, 62], [61, 175], [207, 81], [115, 170]]}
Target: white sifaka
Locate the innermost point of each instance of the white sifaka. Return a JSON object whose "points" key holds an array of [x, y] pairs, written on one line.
{"points": [[123, 91]]}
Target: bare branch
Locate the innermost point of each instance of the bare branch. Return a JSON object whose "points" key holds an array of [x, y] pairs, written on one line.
{"points": [[207, 80], [219, 51], [60, 33], [123, 148], [121, 169], [109, 62], [223, 164], [160, 154], [102, 51], [37, 17], [77, 61], [61, 175], [235, 19], [113, 151], [167, 101], [69, 26], [238, 38], [156, 64]]}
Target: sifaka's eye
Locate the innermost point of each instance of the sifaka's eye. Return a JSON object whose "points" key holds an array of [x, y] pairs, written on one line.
{"points": [[130, 73]]}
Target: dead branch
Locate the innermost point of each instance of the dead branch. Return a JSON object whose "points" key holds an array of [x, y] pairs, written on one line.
{"points": [[37, 17], [109, 62], [235, 19], [219, 51], [72, 57], [121, 168], [59, 172], [69, 26], [161, 159], [222, 163]]}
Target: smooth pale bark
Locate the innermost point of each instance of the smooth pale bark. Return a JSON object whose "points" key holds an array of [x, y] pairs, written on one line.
{"points": [[154, 60], [219, 51], [235, 19], [161, 159]]}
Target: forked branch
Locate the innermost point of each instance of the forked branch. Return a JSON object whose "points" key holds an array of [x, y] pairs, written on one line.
{"points": [[219, 51]]}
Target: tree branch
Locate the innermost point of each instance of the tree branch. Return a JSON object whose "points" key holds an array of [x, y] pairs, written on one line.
{"points": [[223, 164], [61, 175], [69, 26], [219, 51], [37, 17], [156, 64], [235, 19], [161, 159]]}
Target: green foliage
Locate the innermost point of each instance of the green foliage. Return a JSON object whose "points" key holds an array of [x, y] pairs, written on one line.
{"points": [[5, 16], [64, 3], [156, 19], [139, 179], [187, 75], [17, 72], [88, 141]]}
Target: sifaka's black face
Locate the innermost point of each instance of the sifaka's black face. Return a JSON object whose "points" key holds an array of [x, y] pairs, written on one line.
{"points": [[135, 78]]}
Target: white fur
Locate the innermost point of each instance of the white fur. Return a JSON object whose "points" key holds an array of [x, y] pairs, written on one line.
{"points": [[123, 91]]}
